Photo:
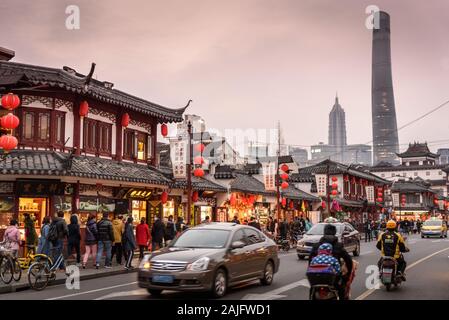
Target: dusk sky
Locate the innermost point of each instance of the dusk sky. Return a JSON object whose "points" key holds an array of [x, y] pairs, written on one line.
{"points": [[249, 63]]}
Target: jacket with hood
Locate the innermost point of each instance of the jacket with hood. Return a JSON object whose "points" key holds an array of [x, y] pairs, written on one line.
{"points": [[30, 232], [61, 227], [142, 234], [105, 232], [129, 243], [119, 228], [91, 232], [74, 235], [157, 231], [12, 237]]}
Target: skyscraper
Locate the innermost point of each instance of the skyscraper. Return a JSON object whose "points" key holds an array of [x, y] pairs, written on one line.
{"points": [[385, 134], [337, 129]]}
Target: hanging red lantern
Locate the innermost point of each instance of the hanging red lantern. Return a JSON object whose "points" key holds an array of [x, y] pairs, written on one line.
{"points": [[8, 142], [198, 160], [164, 130], [125, 120], [195, 196], [10, 101], [84, 109], [284, 185], [198, 172], [345, 177], [334, 179], [379, 199], [284, 176], [9, 121], [334, 185], [435, 201], [334, 192], [284, 202], [232, 200], [199, 148], [284, 168], [323, 204], [164, 197], [380, 194], [291, 205]]}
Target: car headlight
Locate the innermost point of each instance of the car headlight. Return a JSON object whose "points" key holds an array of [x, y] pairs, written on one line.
{"points": [[300, 243], [145, 263], [199, 265]]}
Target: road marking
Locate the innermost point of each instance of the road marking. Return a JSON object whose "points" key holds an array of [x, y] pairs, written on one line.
{"points": [[370, 291], [436, 241], [92, 291], [275, 294], [138, 292], [367, 252]]}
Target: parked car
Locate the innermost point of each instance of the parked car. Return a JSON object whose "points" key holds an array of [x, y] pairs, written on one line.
{"points": [[346, 234], [210, 257], [434, 227]]}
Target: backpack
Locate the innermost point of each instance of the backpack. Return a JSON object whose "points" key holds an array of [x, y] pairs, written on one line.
{"points": [[52, 234]]}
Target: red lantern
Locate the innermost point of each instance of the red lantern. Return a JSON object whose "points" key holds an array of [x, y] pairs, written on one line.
{"points": [[284, 185], [379, 199], [334, 179], [334, 185], [8, 142], [291, 204], [198, 160], [323, 204], [10, 101], [435, 201], [334, 192], [164, 130], [345, 177], [251, 199], [84, 109], [284, 167], [125, 120], [198, 172], [232, 200], [199, 147], [9, 121], [379, 194], [164, 197], [195, 196], [284, 176], [284, 202]]}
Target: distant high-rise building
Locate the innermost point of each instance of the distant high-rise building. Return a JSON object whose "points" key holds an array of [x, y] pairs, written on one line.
{"points": [[444, 155], [385, 134], [299, 155], [337, 129]]}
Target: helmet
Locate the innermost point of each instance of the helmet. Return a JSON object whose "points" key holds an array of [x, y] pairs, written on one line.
{"points": [[391, 224]]}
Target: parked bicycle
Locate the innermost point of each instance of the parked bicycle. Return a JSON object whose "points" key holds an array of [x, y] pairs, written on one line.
{"points": [[32, 257], [42, 272], [6, 264]]}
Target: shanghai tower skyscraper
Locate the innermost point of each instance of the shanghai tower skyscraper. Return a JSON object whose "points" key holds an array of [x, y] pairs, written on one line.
{"points": [[385, 134]]}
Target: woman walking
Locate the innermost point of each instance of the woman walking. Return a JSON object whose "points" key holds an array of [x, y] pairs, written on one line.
{"points": [[74, 238], [44, 244], [142, 237], [91, 240], [12, 237], [129, 243]]}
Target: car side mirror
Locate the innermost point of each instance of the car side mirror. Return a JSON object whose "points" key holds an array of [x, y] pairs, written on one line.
{"points": [[237, 245], [346, 233]]}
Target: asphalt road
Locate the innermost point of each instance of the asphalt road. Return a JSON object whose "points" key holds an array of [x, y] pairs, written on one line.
{"points": [[427, 278]]}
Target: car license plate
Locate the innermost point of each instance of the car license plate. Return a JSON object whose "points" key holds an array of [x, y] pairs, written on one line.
{"points": [[163, 279]]}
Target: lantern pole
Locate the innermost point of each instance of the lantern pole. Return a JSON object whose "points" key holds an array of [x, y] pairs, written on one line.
{"points": [[189, 173], [278, 193]]}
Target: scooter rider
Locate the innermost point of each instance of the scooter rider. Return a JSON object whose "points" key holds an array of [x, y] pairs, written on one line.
{"points": [[392, 244]]}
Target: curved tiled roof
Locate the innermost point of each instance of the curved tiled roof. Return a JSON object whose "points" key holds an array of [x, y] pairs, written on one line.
{"points": [[199, 184], [11, 73]]}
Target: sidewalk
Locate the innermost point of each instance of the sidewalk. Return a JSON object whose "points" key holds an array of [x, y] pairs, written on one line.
{"points": [[85, 274]]}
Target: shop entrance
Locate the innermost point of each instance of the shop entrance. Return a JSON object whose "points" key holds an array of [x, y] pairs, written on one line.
{"points": [[36, 207], [139, 210]]}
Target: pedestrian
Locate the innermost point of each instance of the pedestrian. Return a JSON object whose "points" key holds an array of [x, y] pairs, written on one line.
{"points": [[119, 227], [418, 225], [283, 229], [12, 237], [180, 225], [43, 246], [74, 238], [367, 227], [308, 224], [142, 237], [91, 239], [235, 220], [105, 240], [253, 223], [30, 232], [157, 234], [206, 220], [129, 242], [56, 235], [170, 230]]}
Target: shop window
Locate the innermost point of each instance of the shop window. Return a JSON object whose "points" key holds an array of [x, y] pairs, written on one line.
{"points": [[7, 205], [35, 207], [139, 210], [60, 129], [97, 137], [41, 127], [137, 145]]}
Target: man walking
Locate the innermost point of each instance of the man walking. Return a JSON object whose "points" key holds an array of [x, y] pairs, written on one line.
{"points": [[57, 233], [157, 234], [368, 231], [119, 228], [105, 240], [170, 230]]}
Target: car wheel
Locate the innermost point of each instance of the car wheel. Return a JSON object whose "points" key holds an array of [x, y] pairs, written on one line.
{"points": [[268, 274], [301, 257], [422, 236], [356, 252], [155, 292], [220, 283]]}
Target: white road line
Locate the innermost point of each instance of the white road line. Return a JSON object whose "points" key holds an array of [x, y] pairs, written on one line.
{"points": [[92, 291], [370, 291], [367, 252], [436, 241], [269, 295], [138, 292]]}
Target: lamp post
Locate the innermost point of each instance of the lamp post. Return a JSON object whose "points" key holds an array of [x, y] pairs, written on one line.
{"points": [[189, 173]]}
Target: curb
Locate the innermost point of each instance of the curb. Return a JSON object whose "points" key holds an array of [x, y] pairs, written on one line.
{"points": [[13, 287]]}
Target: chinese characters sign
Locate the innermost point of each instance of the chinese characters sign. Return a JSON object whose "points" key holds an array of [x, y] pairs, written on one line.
{"points": [[40, 187], [321, 184], [370, 194], [269, 175], [179, 158], [395, 197]]}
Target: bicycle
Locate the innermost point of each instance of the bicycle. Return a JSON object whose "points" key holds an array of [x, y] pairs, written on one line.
{"points": [[6, 264], [40, 273], [31, 257]]}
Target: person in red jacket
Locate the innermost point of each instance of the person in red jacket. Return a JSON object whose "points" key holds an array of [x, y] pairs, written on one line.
{"points": [[142, 237]]}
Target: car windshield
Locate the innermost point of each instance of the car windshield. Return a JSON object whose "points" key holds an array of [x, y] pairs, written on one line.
{"points": [[432, 223], [318, 229], [202, 238]]}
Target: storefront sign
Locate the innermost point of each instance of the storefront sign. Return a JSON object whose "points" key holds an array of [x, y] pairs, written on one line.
{"points": [[269, 176], [395, 197], [321, 184], [370, 194], [178, 150], [222, 214], [40, 187], [97, 204]]}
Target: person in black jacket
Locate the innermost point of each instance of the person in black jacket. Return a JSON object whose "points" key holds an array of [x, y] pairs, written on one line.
{"points": [[57, 245], [74, 238], [170, 230], [157, 234], [105, 239], [339, 252], [254, 223]]}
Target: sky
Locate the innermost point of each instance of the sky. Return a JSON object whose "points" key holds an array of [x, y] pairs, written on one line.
{"points": [[249, 63]]}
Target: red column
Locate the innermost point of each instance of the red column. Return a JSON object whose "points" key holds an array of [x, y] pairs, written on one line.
{"points": [[119, 137], [77, 127]]}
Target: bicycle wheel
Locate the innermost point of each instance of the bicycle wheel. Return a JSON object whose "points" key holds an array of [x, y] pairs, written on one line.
{"points": [[17, 270], [38, 275], [7, 270]]}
